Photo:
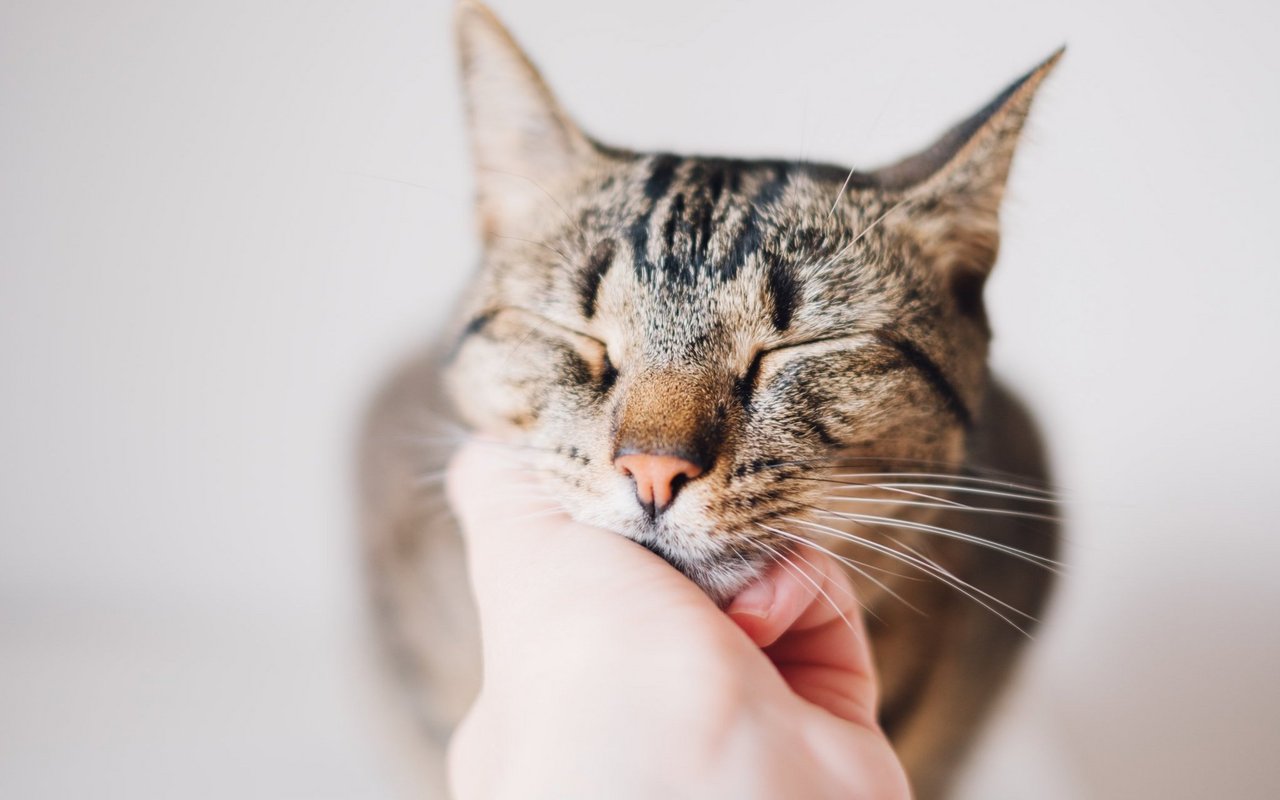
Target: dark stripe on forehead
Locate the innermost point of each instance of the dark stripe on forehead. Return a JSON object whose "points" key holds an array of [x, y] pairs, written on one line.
{"points": [[932, 373], [784, 290], [661, 175], [689, 227], [677, 265], [701, 219], [751, 237], [715, 183], [589, 279], [674, 216], [664, 172], [692, 194]]}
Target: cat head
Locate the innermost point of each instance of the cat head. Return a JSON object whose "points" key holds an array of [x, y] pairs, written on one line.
{"points": [[684, 347]]}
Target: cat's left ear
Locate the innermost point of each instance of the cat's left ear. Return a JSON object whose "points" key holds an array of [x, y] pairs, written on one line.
{"points": [[952, 190], [523, 142]]}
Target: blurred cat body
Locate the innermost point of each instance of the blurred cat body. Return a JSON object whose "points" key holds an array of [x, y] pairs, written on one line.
{"points": [[809, 340]]}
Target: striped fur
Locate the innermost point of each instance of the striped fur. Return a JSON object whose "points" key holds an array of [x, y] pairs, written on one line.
{"points": [[734, 312]]}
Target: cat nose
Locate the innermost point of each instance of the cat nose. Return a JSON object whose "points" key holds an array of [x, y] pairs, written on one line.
{"points": [[657, 478]]}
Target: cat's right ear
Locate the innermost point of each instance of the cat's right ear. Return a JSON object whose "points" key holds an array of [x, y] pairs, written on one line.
{"points": [[522, 141], [954, 187]]}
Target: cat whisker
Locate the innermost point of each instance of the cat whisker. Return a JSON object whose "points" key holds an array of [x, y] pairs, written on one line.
{"points": [[450, 434], [1041, 561], [564, 258], [431, 478], [845, 590], [874, 224], [434, 189], [801, 573], [908, 488], [581, 233], [878, 546], [949, 506], [523, 447], [444, 437], [952, 488], [930, 567], [952, 476], [958, 470], [840, 194], [963, 475], [888, 488], [537, 327], [911, 480], [555, 510], [751, 569], [852, 564]]}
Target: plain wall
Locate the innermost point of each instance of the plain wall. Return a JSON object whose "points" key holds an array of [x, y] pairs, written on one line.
{"points": [[220, 222]]}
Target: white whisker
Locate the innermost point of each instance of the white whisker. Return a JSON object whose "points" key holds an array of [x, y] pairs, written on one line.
{"points": [[1041, 561], [929, 567], [1031, 493], [1002, 512], [874, 224], [816, 586], [840, 194], [849, 562]]}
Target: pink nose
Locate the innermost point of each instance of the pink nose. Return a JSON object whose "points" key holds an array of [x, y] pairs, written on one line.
{"points": [[657, 478]]}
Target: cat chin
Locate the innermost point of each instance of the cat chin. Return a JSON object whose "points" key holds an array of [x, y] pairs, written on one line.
{"points": [[719, 578]]}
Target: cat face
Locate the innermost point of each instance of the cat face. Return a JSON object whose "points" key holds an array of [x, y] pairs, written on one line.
{"points": [[685, 348]]}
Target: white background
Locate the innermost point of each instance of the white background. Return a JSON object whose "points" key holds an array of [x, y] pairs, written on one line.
{"points": [[221, 221]]}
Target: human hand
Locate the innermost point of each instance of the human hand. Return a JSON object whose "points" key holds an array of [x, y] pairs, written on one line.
{"points": [[607, 673]]}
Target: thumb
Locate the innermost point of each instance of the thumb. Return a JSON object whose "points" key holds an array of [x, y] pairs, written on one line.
{"points": [[805, 615]]}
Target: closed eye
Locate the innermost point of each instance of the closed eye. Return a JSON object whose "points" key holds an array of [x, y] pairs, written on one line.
{"points": [[912, 355], [594, 350], [539, 319], [747, 384]]}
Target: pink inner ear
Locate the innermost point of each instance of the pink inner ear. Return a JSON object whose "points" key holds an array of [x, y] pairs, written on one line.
{"points": [[998, 124], [966, 287]]}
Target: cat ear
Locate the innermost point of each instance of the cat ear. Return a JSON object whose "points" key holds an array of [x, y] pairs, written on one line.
{"points": [[952, 189], [523, 142]]}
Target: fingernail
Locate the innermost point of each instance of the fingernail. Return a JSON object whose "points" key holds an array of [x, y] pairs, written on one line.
{"points": [[756, 600]]}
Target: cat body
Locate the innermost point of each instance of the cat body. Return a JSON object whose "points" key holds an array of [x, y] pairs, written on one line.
{"points": [[806, 343]]}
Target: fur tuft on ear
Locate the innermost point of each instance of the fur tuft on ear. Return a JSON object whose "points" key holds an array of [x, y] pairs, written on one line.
{"points": [[952, 189], [523, 142]]}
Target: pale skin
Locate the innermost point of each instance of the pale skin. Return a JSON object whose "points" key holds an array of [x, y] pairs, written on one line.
{"points": [[607, 673]]}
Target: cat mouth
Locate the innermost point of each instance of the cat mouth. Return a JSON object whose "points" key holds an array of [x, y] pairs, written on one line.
{"points": [[721, 577]]}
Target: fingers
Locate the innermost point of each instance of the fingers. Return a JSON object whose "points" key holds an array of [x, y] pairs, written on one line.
{"points": [[530, 564], [532, 567], [772, 604], [805, 615]]}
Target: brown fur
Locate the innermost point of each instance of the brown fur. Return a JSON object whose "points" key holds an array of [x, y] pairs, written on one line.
{"points": [[719, 310]]}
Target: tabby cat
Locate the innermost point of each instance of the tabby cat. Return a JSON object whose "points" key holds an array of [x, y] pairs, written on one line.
{"points": [[730, 362]]}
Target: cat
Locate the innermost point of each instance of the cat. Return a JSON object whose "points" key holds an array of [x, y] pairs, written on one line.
{"points": [[732, 362]]}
